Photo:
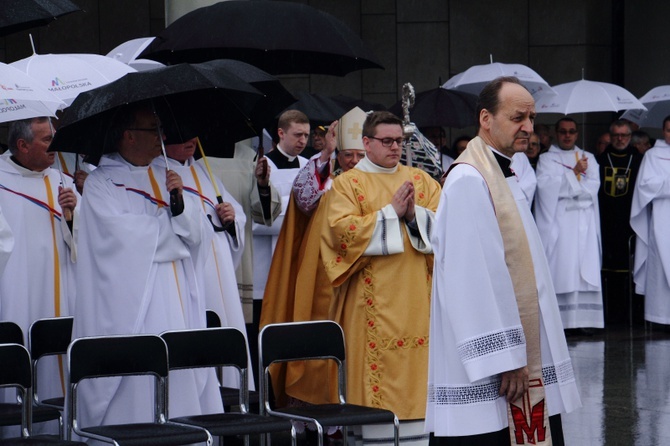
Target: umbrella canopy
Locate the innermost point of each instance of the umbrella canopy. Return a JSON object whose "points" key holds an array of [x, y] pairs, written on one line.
{"points": [[587, 96], [657, 101], [349, 103], [321, 110], [277, 37], [128, 52], [441, 107], [19, 15], [67, 75], [474, 78], [21, 97], [189, 99]]}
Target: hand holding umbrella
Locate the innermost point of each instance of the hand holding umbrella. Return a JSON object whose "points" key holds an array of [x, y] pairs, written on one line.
{"points": [[222, 210]]}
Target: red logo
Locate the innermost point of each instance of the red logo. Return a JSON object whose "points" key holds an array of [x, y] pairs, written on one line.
{"points": [[536, 424]]}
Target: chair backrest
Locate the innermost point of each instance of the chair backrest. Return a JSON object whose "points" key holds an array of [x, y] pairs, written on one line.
{"points": [[213, 319], [101, 356], [122, 355], [10, 333], [293, 341], [15, 372], [210, 347], [50, 336]]}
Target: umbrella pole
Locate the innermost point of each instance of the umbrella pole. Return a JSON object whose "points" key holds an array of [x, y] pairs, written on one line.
{"points": [[219, 198], [209, 171], [66, 212], [176, 200]]}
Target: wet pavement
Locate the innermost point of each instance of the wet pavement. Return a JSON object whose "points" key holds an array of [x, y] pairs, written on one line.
{"points": [[623, 375]]}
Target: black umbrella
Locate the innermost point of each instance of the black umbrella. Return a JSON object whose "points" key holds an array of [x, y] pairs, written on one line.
{"points": [[19, 15], [349, 103], [190, 99], [321, 110], [441, 107], [276, 36], [275, 97]]}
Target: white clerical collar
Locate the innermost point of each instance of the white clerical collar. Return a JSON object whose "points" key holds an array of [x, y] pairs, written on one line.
{"points": [[500, 153], [27, 172], [289, 157], [661, 143], [366, 165], [555, 148]]}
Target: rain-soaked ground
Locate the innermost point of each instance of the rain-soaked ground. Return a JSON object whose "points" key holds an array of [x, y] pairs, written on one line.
{"points": [[623, 375]]}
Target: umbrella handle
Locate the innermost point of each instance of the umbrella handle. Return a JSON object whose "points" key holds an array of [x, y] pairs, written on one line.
{"points": [[176, 202], [211, 220]]}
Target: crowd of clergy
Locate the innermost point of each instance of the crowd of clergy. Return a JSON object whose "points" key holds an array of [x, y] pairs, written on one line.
{"points": [[143, 243]]}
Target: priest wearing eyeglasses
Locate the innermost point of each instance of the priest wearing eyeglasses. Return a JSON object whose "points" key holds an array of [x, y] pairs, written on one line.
{"points": [[567, 215], [376, 250]]}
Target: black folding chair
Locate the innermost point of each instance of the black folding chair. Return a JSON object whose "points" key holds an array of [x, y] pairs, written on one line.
{"points": [[221, 347], [228, 394], [15, 372], [132, 355], [48, 337], [10, 413], [302, 341]]}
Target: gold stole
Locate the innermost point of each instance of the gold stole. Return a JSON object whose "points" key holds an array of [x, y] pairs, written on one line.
{"points": [[528, 416]]}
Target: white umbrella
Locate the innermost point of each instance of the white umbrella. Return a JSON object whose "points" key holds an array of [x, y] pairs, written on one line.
{"points": [[657, 101], [21, 97], [474, 78], [587, 96], [67, 75], [128, 51]]}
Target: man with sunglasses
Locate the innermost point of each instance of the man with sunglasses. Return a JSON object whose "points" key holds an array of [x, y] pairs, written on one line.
{"points": [[377, 253], [566, 210]]}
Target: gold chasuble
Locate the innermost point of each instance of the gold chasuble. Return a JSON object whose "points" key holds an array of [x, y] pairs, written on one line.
{"points": [[298, 290], [528, 416], [381, 301]]}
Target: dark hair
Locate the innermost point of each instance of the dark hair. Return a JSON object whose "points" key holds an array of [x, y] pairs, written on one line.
{"points": [[376, 118], [565, 119], [624, 123], [454, 145], [124, 118], [489, 97], [290, 116]]}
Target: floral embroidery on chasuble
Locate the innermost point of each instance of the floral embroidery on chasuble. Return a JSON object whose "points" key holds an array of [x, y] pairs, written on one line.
{"points": [[381, 301]]}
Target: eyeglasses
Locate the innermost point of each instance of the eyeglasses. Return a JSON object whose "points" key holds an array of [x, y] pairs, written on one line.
{"points": [[388, 142], [567, 132], [620, 135], [155, 129]]}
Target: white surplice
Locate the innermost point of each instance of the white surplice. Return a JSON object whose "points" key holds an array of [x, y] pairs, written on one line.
{"points": [[265, 237], [474, 314], [38, 279], [567, 215], [650, 211], [135, 275], [237, 174], [525, 175], [218, 253]]}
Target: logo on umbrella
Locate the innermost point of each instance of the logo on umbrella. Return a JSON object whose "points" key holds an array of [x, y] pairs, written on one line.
{"points": [[60, 85], [9, 106]]}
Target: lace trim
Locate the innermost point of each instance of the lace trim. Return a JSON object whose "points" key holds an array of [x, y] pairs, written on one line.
{"points": [[459, 395], [491, 343]]}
